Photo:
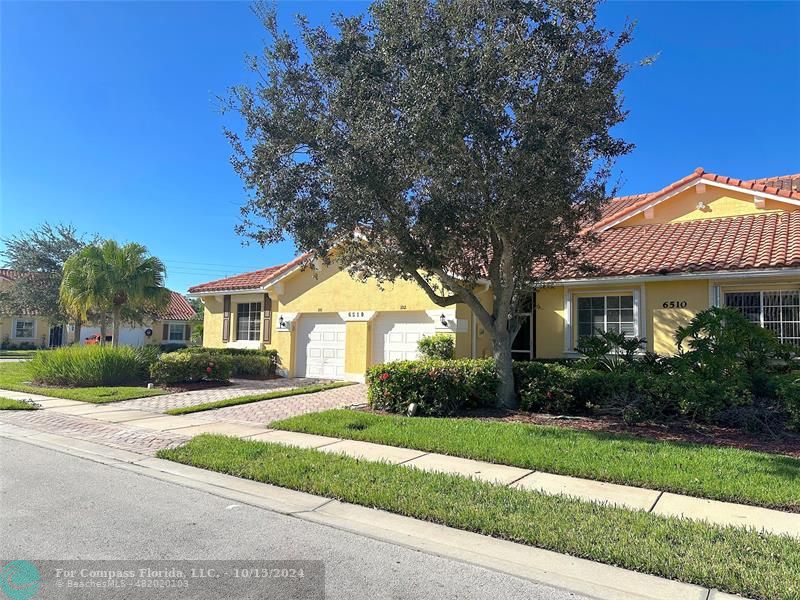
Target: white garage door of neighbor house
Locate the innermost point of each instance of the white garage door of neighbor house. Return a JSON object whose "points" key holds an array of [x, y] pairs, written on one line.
{"points": [[396, 335], [128, 336], [320, 346]]}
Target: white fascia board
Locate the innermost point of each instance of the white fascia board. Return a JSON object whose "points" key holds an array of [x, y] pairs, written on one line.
{"points": [[257, 290], [752, 273]]}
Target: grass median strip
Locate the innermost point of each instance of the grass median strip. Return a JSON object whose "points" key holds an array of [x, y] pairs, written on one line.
{"points": [[712, 472], [730, 559], [9, 404], [308, 389], [14, 376]]}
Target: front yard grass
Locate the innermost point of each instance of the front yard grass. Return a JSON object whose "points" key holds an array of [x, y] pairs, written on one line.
{"points": [[9, 404], [697, 470], [15, 376], [732, 559], [308, 389]]}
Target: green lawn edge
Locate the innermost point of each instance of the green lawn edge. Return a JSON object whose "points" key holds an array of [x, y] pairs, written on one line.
{"points": [[13, 377], [735, 560], [714, 472], [309, 389], [10, 404]]}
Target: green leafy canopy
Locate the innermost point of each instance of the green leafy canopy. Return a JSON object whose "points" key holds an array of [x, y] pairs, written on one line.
{"points": [[446, 142]]}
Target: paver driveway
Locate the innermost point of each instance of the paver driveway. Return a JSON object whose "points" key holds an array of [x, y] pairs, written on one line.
{"points": [[266, 411], [238, 388]]}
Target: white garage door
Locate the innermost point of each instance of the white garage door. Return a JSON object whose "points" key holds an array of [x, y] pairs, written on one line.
{"points": [[128, 336], [320, 346], [396, 335]]}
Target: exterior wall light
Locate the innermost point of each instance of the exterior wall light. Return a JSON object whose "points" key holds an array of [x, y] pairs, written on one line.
{"points": [[443, 320]]}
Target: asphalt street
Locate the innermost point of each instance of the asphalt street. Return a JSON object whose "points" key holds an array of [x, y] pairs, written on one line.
{"points": [[54, 506]]}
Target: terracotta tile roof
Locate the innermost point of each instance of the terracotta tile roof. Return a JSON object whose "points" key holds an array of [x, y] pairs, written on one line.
{"points": [[630, 204], [782, 182], [247, 281], [178, 310], [9, 274], [747, 242]]}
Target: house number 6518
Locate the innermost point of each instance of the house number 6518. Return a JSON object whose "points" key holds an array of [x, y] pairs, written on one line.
{"points": [[674, 304]]}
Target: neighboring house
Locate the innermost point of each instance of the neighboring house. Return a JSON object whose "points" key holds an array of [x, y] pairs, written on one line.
{"points": [[171, 327], [702, 241]]}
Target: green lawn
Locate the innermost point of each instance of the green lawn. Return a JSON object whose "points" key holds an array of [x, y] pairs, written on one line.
{"points": [[696, 470], [309, 389], [9, 404], [731, 559], [13, 376]]}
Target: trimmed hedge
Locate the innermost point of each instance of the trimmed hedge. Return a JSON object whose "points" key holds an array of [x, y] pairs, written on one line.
{"points": [[437, 347], [90, 366], [437, 387], [188, 367], [639, 393], [248, 364]]}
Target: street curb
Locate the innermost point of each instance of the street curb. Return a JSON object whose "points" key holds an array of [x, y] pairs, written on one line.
{"points": [[597, 580]]}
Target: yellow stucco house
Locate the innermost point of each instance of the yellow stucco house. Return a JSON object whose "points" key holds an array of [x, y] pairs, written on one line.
{"points": [[704, 240], [171, 327]]}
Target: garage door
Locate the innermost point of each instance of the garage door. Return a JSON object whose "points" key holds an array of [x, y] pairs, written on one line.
{"points": [[396, 335], [320, 346], [128, 336]]}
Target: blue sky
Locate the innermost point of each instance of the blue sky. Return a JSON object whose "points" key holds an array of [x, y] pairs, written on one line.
{"points": [[109, 121]]}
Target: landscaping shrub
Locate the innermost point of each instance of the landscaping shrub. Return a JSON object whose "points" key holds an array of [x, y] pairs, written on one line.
{"points": [[437, 347], [188, 367], [438, 387], [787, 391], [171, 347], [88, 366], [249, 364]]}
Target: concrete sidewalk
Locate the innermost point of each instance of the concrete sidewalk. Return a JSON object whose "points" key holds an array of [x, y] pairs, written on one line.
{"points": [[636, 498], [577, 575]]}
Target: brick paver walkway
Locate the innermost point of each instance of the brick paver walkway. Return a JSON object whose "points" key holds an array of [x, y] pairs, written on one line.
{"points": [[238, 387], [117, 435], [266, 411]]}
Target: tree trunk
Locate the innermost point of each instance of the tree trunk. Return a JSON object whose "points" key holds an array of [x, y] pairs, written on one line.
{"points": [[115, 326], [103, 327], [78, 325], [501, 345]]}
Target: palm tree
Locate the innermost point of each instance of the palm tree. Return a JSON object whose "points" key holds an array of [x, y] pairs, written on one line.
{"points": [[110, 278], [83, 288]]}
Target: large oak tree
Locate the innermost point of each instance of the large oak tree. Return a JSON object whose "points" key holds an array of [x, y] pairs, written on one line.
{"points": [[447, 142]]}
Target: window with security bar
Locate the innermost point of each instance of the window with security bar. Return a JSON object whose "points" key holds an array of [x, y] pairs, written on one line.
{"points": [[776, 310]]}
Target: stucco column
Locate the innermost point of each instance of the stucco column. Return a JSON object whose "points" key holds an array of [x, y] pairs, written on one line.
{"points": [[358, 343]]}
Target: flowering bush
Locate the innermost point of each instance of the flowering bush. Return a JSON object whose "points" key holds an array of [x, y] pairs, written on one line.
{"points": [[180, 367], [248, 364], [438, 387]]}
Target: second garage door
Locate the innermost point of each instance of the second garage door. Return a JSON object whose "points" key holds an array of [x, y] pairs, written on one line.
{"points": [[320, 347], [396, 335]]}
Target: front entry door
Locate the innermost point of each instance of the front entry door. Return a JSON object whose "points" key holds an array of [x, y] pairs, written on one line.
{"points": [[56, 336]]}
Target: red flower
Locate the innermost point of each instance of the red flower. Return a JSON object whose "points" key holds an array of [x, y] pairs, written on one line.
{"points": [[384, 376], [208, 369]]}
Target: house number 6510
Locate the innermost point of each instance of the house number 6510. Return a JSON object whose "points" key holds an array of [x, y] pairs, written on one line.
{"points": [[674, 304]]}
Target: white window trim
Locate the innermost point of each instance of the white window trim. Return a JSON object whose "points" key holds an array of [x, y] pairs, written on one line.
{"points": [[260, 320], [14, 329], [182, 325], [760, 291], [571, 308]]}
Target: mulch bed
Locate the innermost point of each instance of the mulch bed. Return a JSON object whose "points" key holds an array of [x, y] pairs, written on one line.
{"points": [[197, 385], [785, 442]]}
